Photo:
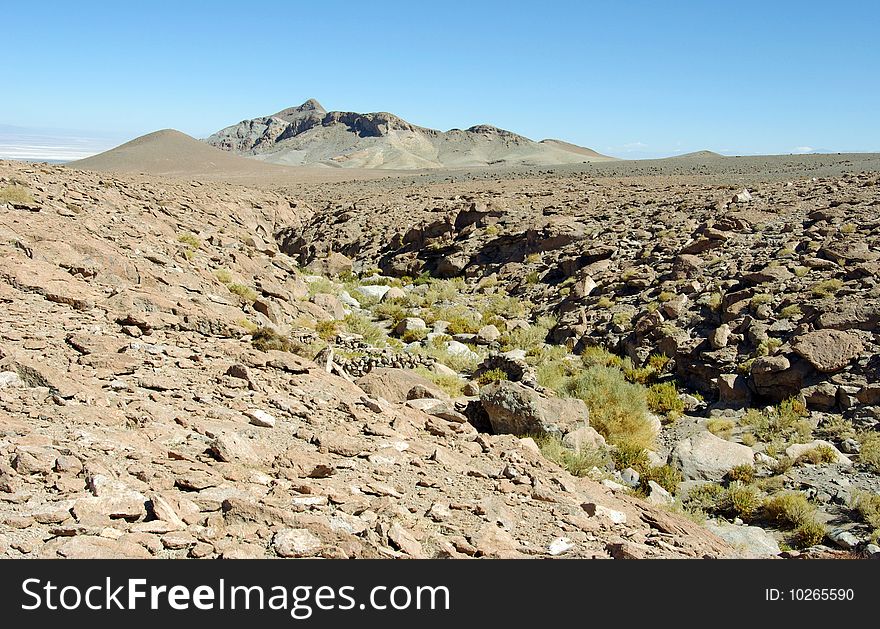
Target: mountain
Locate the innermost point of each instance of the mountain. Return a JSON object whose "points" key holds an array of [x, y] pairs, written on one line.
{"points": [[170, 152], [309, 134]]}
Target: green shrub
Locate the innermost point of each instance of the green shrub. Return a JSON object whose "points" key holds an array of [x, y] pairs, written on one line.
{"points": [[630, 455], [356, 323], [452, 385], [789, 509], [867, 506], [741, 500], [323, 286], [414, 335], [224, 276], [869, 454], [786, 423], [666, 476], [742, 473], [395, 313], [705, 498], [760, 299], [491, 375], [808, 534], [663, 398], [190, 240], [618, 409], [604, 302], [791, 312], [327, 330]]}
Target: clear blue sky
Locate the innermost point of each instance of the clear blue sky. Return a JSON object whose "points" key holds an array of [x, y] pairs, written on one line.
{"points": [[632, 78]]}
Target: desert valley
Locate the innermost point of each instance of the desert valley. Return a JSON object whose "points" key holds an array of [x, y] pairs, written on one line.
{"points": [[332, 334]]}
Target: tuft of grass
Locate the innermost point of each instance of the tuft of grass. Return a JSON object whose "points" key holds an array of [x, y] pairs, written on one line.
{"points": [[721, 427], [848, 228], [246, 293], [323, 285], [265, 339], [666, 476], [190, 240], [791, 312], [327, 330], [784, 423], [357, 323], [604, 302], [788, 508], [741, 500], [808, 534], [452, 385], [867, 506], [577, 463], [393, 312], [760, 299], [533, 258], [705, 498], [715, 301], [665, 296], [819, 455], [826, 288], [869, 454], [224, 276], [618, 409], [16, 194], [622, 319], [630, 455]]}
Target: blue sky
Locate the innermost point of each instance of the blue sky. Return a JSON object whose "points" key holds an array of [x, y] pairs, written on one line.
{"points": [[632, 79]]}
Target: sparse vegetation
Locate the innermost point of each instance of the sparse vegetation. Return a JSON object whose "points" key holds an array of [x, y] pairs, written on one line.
{"points": [[791, 509], [721, 427], [246, 293], [618, 409], [16, 195], [791, 312], [265, 339], [818, 455], [742, 473], [491, 375], [577, 463], [663, 398], [786, 423], [826, 288]]}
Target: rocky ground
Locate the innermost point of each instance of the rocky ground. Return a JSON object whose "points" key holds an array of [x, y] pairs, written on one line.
{"points": [[541, 365]]}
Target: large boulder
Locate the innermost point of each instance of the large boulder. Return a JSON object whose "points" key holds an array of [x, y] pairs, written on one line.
{"points": [[333, 265], [517, 409], [828, 350], [395, 384], [750, 540], [704, 456]]}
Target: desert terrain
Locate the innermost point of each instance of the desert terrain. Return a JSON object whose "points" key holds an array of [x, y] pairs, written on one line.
{"points": [[206, 355]]}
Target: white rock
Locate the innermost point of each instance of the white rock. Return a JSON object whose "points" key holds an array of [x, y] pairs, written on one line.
{"points": [[296, 543], [597, 510], [260, 418], [9, 379], [377, 291], [460, 349], [559, 546]]}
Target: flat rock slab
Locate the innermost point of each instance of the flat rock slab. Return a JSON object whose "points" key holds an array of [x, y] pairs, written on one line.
{"points": [[828, 350]]}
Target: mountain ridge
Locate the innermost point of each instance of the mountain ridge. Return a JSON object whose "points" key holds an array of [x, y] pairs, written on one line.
{"points": [[310, 135]]}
